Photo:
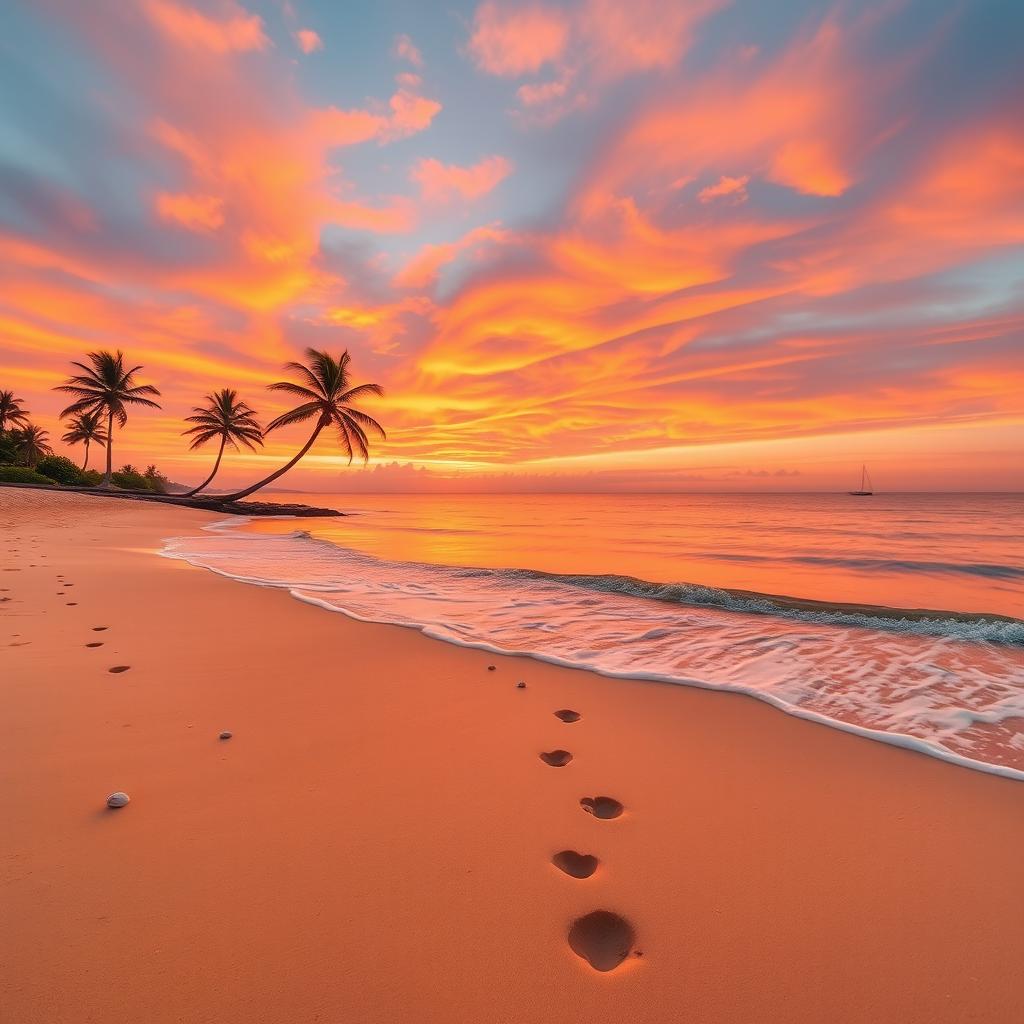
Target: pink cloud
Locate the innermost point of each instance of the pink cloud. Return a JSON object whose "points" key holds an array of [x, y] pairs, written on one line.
{"points": [[513, 40], [237, 31], [410, 113], [540, 93], [734, 190], [642, 35], [308, 40], [440, 183], [589, 43], [406, 49], [407, 114]]}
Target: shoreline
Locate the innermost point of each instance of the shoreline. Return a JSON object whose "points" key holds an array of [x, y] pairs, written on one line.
{"points": [[375, 840], [209, 503], [432, 630]]}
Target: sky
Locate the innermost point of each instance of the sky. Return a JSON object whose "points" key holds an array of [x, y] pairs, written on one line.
{"points": [[588, 245]]}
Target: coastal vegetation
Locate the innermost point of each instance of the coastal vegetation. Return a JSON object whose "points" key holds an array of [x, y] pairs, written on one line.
{"points": [[226, 419], [106, 388], [327, 397], [87, 428]]}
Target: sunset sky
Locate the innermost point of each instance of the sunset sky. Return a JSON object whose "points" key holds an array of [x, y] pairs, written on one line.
{"points": [[587, 245]]}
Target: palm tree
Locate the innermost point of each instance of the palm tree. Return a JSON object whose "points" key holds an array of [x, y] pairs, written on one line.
{"points": [[87, 427], [224, 417], [106, 387], [32, 443], [12, 414], [326, 396]]}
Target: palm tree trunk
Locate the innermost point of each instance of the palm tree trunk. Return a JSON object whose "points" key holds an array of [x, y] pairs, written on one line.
{"points": [[216, 466], [238, 495], [86, 463], [110, 449]]}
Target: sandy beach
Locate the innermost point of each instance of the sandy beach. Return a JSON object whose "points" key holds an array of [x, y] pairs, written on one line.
{"points": [[375, 841]]}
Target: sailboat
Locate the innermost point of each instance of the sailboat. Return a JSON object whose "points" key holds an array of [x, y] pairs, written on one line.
{"points": [[865, 484]]}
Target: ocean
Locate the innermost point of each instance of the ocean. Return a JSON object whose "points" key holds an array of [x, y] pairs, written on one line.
{"points": [[897, 617]]}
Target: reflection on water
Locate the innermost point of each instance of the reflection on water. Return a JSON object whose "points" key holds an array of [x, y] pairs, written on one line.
{"points": [[953, 552]]}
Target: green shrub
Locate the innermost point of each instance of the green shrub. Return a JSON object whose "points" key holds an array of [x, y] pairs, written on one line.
{"points": [[155, 480], [92, 478], [130, 480], [8, 449], [21, 475], [61, 469]]}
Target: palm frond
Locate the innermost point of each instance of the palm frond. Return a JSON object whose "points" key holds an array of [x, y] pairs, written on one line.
{"points": [[360, 390], [295, 389], [365, 421], [202, 437], [313, 381], [297, 415]]}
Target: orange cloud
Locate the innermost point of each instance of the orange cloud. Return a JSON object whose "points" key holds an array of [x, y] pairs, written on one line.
{"points": [[799, 120], [440, 182], [513, 39], [423, 269], [308, 40], [195, 212], [237, 31]]}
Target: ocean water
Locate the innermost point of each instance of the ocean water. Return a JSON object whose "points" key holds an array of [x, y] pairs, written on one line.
{"points": [[898, 617]]}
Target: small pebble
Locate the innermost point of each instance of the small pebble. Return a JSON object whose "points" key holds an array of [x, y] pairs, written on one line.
{"points": [[118, 799], [225, 735], [491, 668], [520, 685]]}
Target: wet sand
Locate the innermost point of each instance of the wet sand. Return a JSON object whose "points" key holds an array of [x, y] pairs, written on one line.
{"points": [[394, 832]]}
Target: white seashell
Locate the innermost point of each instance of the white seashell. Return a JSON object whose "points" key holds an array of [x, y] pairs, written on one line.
{"points": [[118, 799]]}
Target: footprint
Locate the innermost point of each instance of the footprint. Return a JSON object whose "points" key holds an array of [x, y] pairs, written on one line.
{"points": [[99, 629], [95, 643], [602, 938], [556, 758], [602, 806], [579, 865], [119, 668], [568, 716]]}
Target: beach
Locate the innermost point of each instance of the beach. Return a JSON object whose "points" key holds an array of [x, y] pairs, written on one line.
{"points": [[375, 840]]}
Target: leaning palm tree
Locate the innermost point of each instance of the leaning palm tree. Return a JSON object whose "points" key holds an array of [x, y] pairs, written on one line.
{"points": [[327, 397], [12, 413], [106, 387], [87, 427], [32, 443], [226, 418]]}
